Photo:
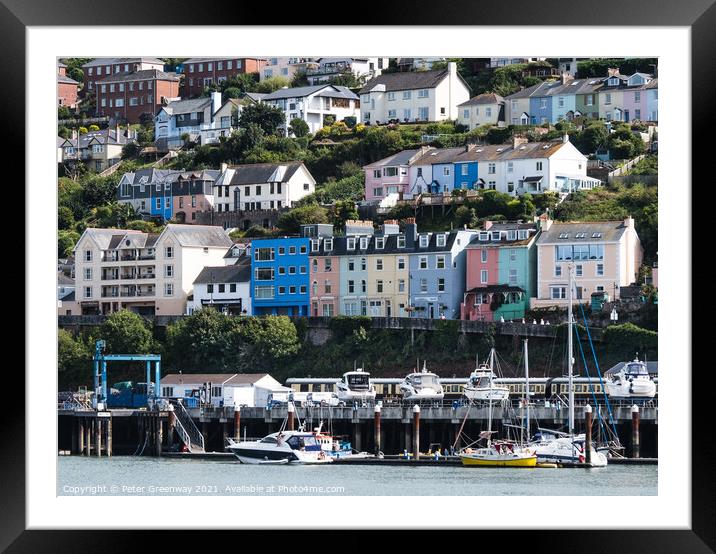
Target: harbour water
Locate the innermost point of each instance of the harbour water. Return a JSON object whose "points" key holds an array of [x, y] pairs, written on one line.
{"points": [[129, 476]]}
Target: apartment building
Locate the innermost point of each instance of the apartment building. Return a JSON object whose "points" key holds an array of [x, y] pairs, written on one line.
{"points": [[99, 68], [202, 72], [137, 95], [151, 274], [363, 69]]}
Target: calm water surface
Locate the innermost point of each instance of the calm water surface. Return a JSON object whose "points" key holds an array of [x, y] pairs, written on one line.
{"points": [[125, 475]]}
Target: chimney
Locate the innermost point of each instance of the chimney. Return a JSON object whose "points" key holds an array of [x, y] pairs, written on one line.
{"points": [[215, 102], [517, 140], [545, 222], [565, 138], [74, 134], [224, 167], [612, 71], [629, 222], [411, 230], [452, 68], [487, 225], [116, 132], [470, 147], [566, 78]]}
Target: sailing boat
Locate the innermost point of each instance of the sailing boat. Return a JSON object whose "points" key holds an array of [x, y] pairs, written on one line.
{"points": [[497, 453], [555, 447]]}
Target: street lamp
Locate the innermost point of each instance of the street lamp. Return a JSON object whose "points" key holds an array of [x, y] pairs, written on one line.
{"points": [[614, 316]]}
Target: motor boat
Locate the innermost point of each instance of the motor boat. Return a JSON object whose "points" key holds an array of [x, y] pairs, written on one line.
{"points": [[335, 448], [423, 385], [559, 448], [631, 381], [295, 447], [355, 386], [481, 386]]}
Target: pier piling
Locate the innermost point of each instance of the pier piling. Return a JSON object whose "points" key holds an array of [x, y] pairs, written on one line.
{"points": [[81, 425], [290, 416], [376, 420], [635, 431], [588, 434], [88, 438], [237, 422], [416, 432]]}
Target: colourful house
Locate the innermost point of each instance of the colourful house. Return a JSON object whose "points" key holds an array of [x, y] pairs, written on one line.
{"points": [[279, 276], [325, 264], [389, 175], [500, 275]]}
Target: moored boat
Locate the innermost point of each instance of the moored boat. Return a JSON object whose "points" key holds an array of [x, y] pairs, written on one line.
{"points": [[421, 385]]}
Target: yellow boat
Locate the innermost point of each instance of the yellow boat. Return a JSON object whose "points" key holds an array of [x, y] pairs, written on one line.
{"points": [[492, 457]]}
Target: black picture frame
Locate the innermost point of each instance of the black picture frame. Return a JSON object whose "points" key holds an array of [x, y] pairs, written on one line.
{"points": [[699, 15]]}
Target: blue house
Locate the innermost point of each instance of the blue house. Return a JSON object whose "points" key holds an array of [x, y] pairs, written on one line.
{"points": [[279, 276], [465, 175]]}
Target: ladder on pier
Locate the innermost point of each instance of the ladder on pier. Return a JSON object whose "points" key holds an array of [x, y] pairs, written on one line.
{"points": [[186, 429]]}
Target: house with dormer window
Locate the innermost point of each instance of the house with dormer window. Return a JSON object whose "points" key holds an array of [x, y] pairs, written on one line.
{"points": [[604, 256]]}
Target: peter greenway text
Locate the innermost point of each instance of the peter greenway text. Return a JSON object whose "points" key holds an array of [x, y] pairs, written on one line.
{"points": [[97, 490]]}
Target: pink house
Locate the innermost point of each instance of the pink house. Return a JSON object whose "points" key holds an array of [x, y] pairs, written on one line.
{"points": [[635, 97], [324, 281], [482, 270], [389, 175]]}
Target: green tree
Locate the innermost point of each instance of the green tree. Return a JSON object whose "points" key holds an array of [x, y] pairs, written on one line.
{"points": [[205, 341], [74, 361], [267, 117], [298, 128], [126, 333], [342, 211], [97, 191], [130, 151], [66, 240], [65, 218], [291, 221], [272, 84], [266, 342]]}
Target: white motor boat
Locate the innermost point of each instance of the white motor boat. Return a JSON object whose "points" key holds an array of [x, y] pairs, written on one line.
{"points": [[481, 386], [552, 447], [296, 447], [423, 385], [355, 386], [632, 381]]}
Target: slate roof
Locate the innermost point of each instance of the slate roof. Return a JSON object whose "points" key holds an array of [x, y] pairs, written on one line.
{"points": [[256, 96], [340, 244], [113, 61], [103, 237], [214, 378], [507, 152], [507, 226], [238, 273], [200, 60], [408, 80], [401, 158], [136, 75], [611, 231], [187, 106], [66, 80], [63, 279], [199, 235], [439, 156], [249, 174], [103, 136], [333, 91], [486, 98]]}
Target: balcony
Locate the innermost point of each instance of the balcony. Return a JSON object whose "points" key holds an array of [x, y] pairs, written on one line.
{"points": [[129, 258], [130, 276], [127, 294], [110, 295], [147, 257], [146, 293], [146, 276], [110, 277]]}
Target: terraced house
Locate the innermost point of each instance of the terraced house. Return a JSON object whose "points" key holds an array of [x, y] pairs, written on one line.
{"points": [[501, 263], [98, 150], [605, 255], [325, 264], [279, 276], [136, 95], [147, 273], [437, 272], [202, 72]]}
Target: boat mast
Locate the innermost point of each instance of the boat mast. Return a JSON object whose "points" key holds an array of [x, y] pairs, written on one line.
{"points": [[570, 360], [489, 400], [527, 391]]}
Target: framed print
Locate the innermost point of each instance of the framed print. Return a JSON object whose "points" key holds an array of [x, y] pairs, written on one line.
{"points": [[285, 279]]}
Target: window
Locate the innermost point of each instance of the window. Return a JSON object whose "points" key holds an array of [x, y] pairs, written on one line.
{"points": [[423, 262], [379, 285], [483, 256], [88, 255], [401, 241], [423, 93], [483, 276], [558, 271], [88, 292], [559, 293], [441, 284], [363, 285], [328, 245], [264, 292], [351, 264], [263, 254], [168, 271], [168, 251], [282, 290], [351, 243], [401, 263], [423, 114], [328, 264], [391, 114], [440, 262], [560, 101], [600, 270], [407, 94], [281, 251], [513, 277], [607, 99], [491, 168], [539, 166], [377, 174], [423, 285], [292, 270], [328, 287], [229, 64], [351, 287], [264, 273], [292, 250], [281, 270], [380, 243], [379, 264], [302, 289], [466, 113], [168, 289], [302, 269], [232, 287], [222, 287], [401, 285], [406, 114], [363, 243], [303, 249], [88, 274]]}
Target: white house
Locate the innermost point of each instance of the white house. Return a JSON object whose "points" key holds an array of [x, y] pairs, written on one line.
{"points": [[329, 68], [226, 288], [268, 186], [413, 96], [223, 389], [205, 120], [315, 105], [286, 67], [483, 109]]}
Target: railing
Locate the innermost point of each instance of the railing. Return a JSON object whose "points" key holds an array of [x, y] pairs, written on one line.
{"points": [[130, 276], [147, 257], [146, 276], [127, 294], [128, 258], [192, 437], [146, 293], [110, 295], [110, 277]]}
